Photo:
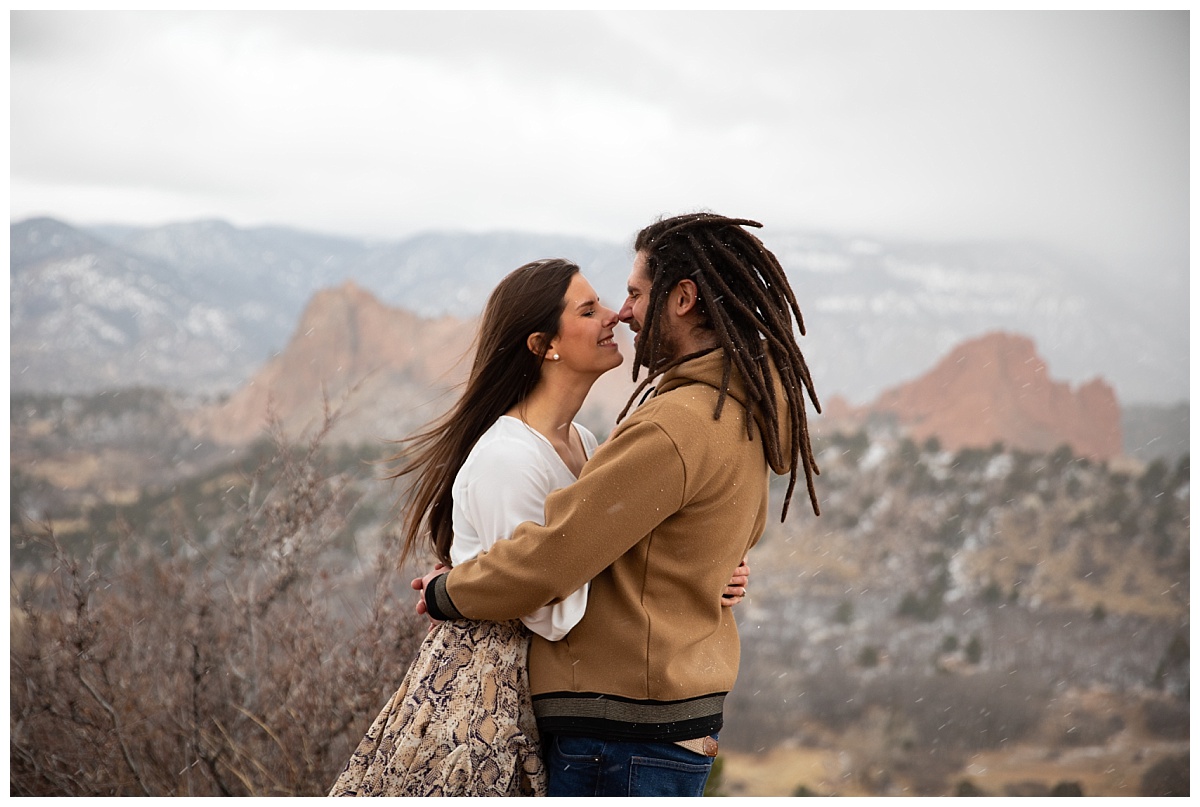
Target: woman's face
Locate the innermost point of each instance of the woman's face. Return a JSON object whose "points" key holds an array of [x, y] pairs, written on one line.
{"points": [[585, 335]]}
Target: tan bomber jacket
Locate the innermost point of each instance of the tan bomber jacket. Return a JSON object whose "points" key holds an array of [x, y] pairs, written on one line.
{"points": [[658, 520]]}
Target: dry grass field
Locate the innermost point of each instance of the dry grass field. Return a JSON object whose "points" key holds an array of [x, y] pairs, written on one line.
{"points": [[1115, 768]]}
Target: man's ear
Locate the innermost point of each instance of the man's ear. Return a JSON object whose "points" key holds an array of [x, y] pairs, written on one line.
{"points": [[684, 297]]}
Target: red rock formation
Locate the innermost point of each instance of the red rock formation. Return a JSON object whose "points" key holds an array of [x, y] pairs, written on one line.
{"points": [[839, 415], [996, 388], [385, 362]]}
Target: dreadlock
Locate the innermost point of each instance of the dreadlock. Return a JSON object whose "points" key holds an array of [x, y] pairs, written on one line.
{"points": [[746, 301]]}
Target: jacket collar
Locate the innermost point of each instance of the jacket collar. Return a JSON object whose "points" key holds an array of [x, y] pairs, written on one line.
{"points": [[709, 369]]}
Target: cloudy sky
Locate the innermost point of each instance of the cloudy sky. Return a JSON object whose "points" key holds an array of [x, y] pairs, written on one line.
{"points": [[1067, 127]]}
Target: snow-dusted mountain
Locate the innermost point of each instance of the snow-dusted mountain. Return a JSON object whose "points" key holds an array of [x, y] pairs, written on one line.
{"points": [[86, 314], [201, 305]]}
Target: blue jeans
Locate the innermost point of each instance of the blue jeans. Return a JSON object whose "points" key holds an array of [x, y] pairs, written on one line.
{"points": [[585, 766]]}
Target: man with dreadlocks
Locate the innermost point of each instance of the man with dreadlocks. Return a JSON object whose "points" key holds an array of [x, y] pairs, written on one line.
{"points": [[631, 701]]}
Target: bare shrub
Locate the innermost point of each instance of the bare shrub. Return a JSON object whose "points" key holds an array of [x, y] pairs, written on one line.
{"points": [[1084, 728], [1167, 719], [966, 713], [966, 787], [236, 663], [1171, 776]]}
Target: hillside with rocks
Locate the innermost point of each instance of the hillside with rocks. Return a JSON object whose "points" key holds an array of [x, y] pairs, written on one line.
{"points": [[1027, 608]]}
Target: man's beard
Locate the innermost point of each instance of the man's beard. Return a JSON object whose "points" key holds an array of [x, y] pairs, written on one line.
{"points": [[668, 350]]}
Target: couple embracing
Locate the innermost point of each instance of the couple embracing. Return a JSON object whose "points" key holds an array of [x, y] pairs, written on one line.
{"points": [[583, 644]]}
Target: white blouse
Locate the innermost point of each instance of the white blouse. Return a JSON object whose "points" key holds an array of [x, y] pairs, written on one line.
{"points": [[504, 482]]}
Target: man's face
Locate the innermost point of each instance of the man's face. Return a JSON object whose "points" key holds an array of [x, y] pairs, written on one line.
{"points": [[633, 312]]}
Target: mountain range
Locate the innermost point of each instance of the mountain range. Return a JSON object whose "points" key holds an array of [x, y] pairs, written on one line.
{"points": [[200, 307]]}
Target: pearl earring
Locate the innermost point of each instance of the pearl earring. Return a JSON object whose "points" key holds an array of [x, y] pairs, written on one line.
{"points": [[555, 357]]}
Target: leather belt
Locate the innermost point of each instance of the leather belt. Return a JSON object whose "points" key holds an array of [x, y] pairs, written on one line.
{"points": [[704, 746]]}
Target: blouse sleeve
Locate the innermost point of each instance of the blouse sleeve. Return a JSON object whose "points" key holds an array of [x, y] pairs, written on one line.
{"points": [[508, 485]]}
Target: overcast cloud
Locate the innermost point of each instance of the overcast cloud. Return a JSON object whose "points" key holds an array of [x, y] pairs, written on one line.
{"points": [[1068, 127]]}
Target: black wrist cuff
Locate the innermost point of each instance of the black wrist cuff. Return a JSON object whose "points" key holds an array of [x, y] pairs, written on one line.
{"points": [[438, 602]]}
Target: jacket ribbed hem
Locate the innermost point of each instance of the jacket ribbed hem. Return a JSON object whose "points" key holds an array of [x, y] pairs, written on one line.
{"points": [[608, 717]]}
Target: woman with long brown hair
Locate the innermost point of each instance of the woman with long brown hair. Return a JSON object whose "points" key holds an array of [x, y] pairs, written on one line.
{"points": [[462, 721]]}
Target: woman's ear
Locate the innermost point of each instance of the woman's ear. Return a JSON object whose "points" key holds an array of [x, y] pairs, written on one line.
{"points": [[536, 344]]}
